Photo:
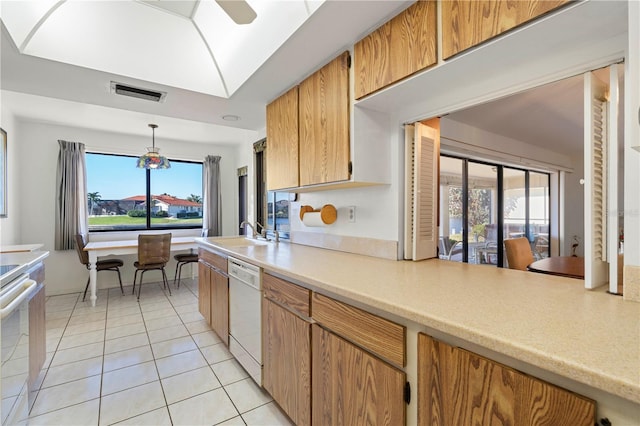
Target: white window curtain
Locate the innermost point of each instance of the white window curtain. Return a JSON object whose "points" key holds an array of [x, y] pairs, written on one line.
{"points": [[71, 195], [211, 214]]}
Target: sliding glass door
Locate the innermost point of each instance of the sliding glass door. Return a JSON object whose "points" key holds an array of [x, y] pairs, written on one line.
{"points": [[482, 204]]}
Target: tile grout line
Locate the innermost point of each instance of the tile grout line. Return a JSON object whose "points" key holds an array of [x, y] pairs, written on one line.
{"points": [[55, 351]]}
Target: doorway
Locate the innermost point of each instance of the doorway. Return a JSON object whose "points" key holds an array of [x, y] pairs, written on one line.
{"points": [[242, 196]]}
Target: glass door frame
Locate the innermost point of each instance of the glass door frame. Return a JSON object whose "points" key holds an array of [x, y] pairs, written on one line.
{"points": [[499, 203]]}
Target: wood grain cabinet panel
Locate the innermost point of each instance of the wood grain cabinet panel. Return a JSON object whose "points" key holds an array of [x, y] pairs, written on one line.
{"points": [[468, 23], [458, 387], [379, 335], [282, 141], [352, 387], [215, 260], [287, 361], [204, 290], [220, 305], [324, 124], [402, 46], [287, 294]]}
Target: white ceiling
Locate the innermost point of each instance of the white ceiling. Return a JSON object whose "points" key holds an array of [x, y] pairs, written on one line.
{"points": [[549, 116], [133, 43], [77, 91]]}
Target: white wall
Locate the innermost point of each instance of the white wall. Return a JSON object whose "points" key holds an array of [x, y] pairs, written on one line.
{"points": [[37, 191], [574, 208], [10, 225], [377, 207]]}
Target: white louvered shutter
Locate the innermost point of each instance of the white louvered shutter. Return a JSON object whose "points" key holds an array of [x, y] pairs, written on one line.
{"points": [[422, 192], [595, 188]]}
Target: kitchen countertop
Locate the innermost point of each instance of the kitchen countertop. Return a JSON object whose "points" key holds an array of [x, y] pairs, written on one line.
{"points": [[21, 262], [550, 322]]}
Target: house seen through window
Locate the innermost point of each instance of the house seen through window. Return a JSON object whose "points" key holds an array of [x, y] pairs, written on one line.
{"points": [[118, 193]]}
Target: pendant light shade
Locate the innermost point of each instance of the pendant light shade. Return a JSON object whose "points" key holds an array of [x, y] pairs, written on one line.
{"points": [[152, 159]]}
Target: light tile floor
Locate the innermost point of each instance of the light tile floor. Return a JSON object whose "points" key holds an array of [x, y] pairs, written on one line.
{"points": [[153, 362]]}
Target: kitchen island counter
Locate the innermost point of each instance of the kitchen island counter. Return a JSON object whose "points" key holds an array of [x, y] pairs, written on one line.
{"points": [[549, 322]]}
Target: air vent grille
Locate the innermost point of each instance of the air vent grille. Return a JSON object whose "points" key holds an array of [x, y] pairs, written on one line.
{"points": [[137, 92]]}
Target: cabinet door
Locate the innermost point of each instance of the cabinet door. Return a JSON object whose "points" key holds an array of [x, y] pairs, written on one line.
{"points": [[220, 305], [287, 361], [282, 141], [324, 124], [469, 23], [204, 291], [350, 386], [458, 387], [402, 46]]}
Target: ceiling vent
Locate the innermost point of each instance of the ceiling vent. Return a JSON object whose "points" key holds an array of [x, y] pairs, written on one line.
{"points": [[137, 92]]}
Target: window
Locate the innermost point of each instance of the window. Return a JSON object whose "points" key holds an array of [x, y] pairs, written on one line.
{"points": [[118, 193], [278, 212], [272, 208], [482, 204]]}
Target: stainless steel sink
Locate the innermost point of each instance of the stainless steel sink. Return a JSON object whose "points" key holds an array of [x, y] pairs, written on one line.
{"points": [[240, 242]]}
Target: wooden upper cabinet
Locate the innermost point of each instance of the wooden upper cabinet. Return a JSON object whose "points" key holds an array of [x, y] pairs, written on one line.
{"points": [[282, 141], [324, 124], [468, 23], [402, 46]]}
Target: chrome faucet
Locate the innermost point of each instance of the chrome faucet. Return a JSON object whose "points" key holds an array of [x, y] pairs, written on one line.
{"points": [[263, 232], [253, 230]]}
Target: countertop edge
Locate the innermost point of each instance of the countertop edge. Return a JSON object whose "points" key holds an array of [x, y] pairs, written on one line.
{"points": [[580, 372]]}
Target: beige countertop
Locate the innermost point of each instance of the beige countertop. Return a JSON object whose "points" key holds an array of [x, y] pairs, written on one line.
{"points": [[19, 262], [550, 322]]}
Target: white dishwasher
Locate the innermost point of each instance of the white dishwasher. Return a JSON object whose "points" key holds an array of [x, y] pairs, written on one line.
{"points": [[245, 316]]}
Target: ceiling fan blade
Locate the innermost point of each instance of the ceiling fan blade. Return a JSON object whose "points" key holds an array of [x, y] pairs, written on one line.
{"points": [[238, 10]]}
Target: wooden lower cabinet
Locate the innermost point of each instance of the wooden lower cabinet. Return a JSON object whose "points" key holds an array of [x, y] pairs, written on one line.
{"points": [[213, 299], [204, 290], [220, 304], [458, 387], [287, 360], [351, 386]]}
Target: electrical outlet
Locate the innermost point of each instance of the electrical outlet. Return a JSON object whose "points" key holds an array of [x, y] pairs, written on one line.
{"points": [[352, 214]]}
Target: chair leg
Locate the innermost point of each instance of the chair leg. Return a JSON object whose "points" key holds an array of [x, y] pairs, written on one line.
{"points": [[166, 282], [135, 276], [178, 274], [175, 276], [86, 288], [120, 280], [140, 284]]}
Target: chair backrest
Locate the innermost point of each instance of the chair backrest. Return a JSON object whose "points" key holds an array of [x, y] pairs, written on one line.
{"points": [[519, 254], [154, 248], [82, 255]]}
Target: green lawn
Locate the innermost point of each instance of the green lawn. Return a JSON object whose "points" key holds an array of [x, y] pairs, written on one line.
{"points": [[127, 220]]}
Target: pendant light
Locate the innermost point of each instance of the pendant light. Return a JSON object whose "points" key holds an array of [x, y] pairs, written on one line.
{"points": [[152, 159]]}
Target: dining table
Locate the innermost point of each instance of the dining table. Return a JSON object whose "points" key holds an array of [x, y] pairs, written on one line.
{"points": [[564, 266], [96, 249]]}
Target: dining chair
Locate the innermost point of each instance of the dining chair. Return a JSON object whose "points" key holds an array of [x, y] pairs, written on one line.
{"points": [[153, 254], [519, 254], [101, 265], [185, 258]]}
